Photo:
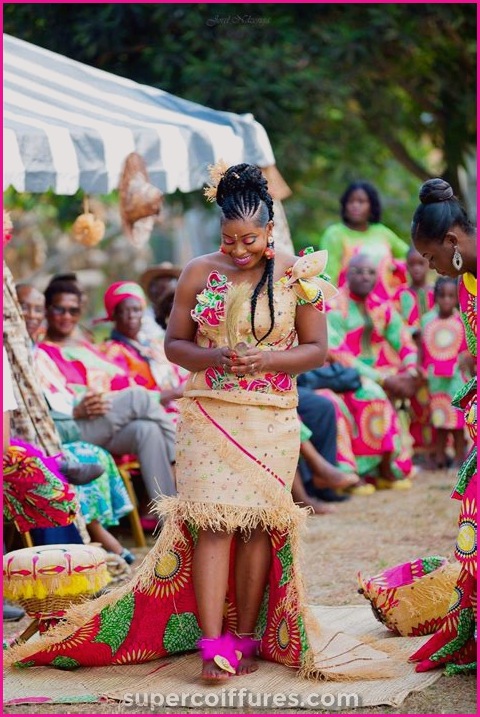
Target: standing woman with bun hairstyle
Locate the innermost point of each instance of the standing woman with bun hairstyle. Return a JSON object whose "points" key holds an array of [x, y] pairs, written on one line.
{"points": [[224, 574], [444, 235]]}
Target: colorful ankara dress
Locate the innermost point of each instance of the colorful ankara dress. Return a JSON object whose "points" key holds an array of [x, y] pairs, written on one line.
{"points": [[104, 499], [443, 340], [454, 644], [145, 362], [412, 304], [35, 494], [379, 242], [371, 336], [237, 452], [84, 366]]}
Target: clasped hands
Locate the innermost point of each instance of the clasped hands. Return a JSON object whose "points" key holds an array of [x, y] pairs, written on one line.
{"points": [[251, 361], [403, 385], [92, 405]]}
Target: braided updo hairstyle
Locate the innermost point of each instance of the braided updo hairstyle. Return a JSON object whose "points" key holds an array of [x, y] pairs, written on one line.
{"points": [[242, 193], [438, 212]]}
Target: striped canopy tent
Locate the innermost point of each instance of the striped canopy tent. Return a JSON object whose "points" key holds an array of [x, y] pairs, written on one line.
{"points": [[68, 126]]}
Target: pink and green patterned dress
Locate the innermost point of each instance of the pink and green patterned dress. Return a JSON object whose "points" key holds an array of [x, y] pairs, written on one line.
{"points": [[84, 366], [377, 241], [372, 337], [412, 303], [443, 341], [454, 644]]}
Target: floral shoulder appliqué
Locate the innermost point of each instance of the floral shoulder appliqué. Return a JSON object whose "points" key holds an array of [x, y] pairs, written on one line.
{"points": [[210, 308]]}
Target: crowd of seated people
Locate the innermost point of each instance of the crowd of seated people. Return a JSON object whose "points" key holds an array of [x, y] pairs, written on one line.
{"points": [[410, 352]]}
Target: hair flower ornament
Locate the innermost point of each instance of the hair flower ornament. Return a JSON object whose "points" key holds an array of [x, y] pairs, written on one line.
{"points": [[216, 172]]}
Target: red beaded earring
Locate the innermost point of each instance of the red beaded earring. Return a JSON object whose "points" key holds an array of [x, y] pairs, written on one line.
{"points": [[269, 252], [222, 249]]}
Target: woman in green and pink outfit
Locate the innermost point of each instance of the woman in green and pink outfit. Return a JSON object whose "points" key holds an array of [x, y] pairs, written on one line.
{"points": [[361, 229], [443, 234]]}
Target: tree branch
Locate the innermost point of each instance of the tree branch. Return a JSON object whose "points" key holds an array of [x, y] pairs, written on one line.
{"points": [[396, 148]]}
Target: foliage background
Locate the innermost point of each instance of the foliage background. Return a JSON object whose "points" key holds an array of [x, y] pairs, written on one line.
{"points": [[383, 92]]}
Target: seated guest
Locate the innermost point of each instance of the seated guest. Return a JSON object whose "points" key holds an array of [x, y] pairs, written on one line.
{"points": [[366, 332], [154, 281], [78, 380], [32, 304], [315, 476], [319, 469], [142, 359], [81, 330]]}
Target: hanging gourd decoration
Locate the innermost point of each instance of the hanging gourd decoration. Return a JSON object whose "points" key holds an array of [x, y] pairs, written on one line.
{"points": [[86, 229]]}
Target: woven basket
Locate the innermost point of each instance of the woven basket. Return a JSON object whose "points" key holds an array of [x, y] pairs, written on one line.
{"points": [[47, 579], [51, 606], [411, 599]]}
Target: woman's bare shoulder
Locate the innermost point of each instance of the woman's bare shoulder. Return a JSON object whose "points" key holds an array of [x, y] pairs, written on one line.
{"points": [[197, 271]]}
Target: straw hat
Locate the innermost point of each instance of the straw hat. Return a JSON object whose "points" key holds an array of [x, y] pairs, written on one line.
{"points": [[140, 201], [165, 270]]}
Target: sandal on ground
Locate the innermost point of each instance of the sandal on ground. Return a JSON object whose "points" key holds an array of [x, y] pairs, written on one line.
{"points": [[223, 653], [362, 488], [386, 484]]}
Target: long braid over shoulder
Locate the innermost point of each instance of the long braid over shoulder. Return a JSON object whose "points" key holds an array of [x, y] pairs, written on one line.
{"points": [[242, 193]]}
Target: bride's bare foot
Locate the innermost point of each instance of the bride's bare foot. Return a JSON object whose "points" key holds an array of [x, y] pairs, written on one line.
{"points": [[211, 672], [247, 665]]}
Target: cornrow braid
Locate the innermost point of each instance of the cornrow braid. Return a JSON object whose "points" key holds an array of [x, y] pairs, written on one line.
{"points": [[267, 274], [242, 193]]}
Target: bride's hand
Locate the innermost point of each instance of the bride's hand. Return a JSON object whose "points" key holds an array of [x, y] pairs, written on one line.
{"points": [[253, 361]]}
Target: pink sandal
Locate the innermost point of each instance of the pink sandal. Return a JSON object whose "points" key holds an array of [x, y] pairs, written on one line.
{"points": [[223, 651], [246, 645]]}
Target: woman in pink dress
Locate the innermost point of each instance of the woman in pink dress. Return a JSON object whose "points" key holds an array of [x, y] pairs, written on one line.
{"points": [[443, 234]]}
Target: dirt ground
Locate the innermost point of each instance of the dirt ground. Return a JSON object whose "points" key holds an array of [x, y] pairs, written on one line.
{"points": [[364, 534]]}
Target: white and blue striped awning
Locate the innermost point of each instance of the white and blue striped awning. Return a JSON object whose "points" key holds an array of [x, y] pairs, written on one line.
{"points": [[69, 126]]}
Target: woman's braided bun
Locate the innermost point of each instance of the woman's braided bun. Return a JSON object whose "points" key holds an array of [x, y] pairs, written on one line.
{"points": [[435, 190]]}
